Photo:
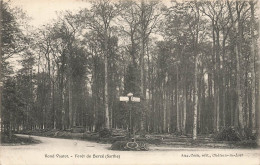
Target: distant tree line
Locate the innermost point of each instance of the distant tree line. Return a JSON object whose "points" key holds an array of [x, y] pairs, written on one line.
{"points": [[194, 64]]}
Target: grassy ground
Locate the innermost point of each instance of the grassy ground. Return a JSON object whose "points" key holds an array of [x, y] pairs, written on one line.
{"points": [[152, 139], [15, 140]]}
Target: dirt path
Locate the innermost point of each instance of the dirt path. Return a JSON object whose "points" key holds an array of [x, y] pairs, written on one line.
{"points": [[68, 151]]}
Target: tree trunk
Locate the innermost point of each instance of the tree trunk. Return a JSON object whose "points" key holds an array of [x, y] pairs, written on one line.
{"points": [[164, 112], [257, 87], [62, 102], [252, 62], [177, 102], [184, 109], [142, 94], [224, 84], [217, 80], [150, 88], [107, 120], [194, 136], [231, 101], [10, 125], [238, 91], [199, 99], [1, 67], [238, 82], [214, 76], [71, 114], [204, 114], [53, 106], [195, 115]]}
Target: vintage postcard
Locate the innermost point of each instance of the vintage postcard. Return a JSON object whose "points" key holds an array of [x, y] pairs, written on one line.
{"points": [[129, 82]]}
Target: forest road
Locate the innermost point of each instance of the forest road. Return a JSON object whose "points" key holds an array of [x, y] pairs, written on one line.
{"points": [[69, 151]]}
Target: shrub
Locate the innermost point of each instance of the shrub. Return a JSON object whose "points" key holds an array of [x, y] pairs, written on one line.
{"points": [[119, 145], [17, 139], [228, 134], [105, 133], [248, 144], [129, 146], [119, 132], [90, 136], [249, 134], [78, 130]]}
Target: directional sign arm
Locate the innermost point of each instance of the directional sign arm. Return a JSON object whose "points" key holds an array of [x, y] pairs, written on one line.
{"points": [[136, 99], [123, 98]]}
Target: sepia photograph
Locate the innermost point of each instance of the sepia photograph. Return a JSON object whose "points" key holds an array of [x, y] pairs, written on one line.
{"points": [[129, 82]]}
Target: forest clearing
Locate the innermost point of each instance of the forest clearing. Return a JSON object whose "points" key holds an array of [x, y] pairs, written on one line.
{"points": [[166, 73]]}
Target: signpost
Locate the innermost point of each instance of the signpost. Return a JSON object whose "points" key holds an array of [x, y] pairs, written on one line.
{"points": [[129, 98], [136, 99], [124, 98]]}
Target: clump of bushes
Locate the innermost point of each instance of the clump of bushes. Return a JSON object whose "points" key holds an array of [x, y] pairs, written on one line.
{"points": [[228, 134], [119, 145], [248, 144], [13, 139], [119, 132], [249, 135], [78, 129], [105, 133], [129, 146], [155, 141], [90, 136]]}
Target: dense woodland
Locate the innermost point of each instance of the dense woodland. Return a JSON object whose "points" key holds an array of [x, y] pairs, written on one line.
{"points": [[194, 64]]}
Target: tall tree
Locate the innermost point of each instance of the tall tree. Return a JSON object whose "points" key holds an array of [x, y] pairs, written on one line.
{"points": [[253, 69], [99, 19], [148, 18]]}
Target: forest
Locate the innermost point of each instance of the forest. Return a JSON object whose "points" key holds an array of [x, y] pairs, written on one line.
{"points": [[194, 65]]}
